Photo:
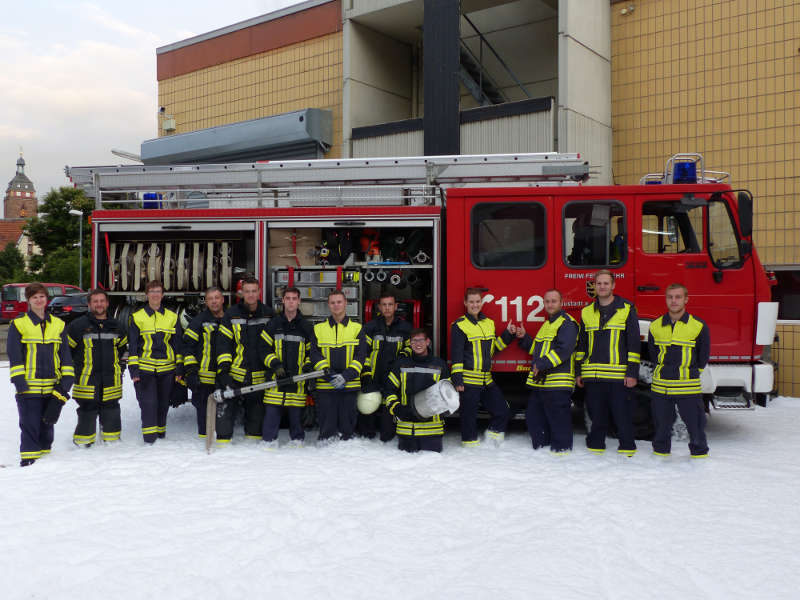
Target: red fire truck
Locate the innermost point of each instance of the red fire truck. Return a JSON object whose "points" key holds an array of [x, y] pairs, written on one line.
{"points": [[428, 227]]}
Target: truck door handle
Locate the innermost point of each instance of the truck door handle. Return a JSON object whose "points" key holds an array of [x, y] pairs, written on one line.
{"points": [[647, 288]]}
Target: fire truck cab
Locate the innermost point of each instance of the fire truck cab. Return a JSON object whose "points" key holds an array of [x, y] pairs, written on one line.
{"points": [[426, 228]]}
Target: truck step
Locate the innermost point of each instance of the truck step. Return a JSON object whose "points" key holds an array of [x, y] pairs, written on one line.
{"points": [[732, 403]]}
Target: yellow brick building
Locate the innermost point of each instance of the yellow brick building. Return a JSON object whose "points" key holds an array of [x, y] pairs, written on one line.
{"points": [[722, 78]]}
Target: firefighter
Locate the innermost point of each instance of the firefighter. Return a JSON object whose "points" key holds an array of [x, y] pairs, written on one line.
{"points": [[552, 376], [154, 360], [387, 340], [339, 345], [680, 344], [41, 371], [238, 361], [408, 376], [200, 353], [286, 346], [97, 343], [472, 344], [608, 364]]}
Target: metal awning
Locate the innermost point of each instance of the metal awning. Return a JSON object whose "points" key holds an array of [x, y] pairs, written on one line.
{"points": [[303, 134]]}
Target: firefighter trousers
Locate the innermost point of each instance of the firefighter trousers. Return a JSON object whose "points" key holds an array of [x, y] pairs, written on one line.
{"points": [[336, 413], [36, 438], [692, 411], [88, 412], [153, 392], [602, 398], [253, 406], [379, 421], [272, 422], [492, 400], [200, 396], [549, 419], [410, 443]]}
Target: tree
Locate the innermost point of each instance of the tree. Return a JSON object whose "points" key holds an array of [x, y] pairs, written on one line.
{"points": [[12, 264], [60, 266], [56, 228]]}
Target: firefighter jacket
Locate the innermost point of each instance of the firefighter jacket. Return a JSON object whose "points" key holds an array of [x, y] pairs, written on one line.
{"points": [[681, 351], [39, 355], [97, 346], [386, 343], [553, 351], [410, 375], [472, 344], [200, 347], [154, 338], [239, 339], [608, 350], [287, 343], [341, 347]]}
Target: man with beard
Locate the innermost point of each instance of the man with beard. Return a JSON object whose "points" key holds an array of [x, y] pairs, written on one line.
{"points": [[97, 343], [200, 353]]}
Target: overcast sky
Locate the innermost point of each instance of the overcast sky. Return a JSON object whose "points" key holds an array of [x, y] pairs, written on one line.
{"points": [[79, 78]]}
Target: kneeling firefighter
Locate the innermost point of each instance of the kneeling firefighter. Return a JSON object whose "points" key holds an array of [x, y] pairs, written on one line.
{"points": [[420, 425]]}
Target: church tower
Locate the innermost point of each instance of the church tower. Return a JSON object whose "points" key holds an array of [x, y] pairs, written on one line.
{"points": [[20, 199]]}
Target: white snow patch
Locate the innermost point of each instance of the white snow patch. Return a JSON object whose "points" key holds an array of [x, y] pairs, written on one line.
{"points": [[363, 520]]}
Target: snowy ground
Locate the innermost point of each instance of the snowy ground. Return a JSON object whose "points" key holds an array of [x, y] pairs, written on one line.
{"points": [[362, 520]]}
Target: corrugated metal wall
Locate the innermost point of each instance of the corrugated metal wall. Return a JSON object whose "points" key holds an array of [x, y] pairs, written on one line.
{"points": [[531, 132], [578, 133]]}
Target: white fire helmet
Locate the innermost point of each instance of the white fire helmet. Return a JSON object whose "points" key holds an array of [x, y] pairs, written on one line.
{"points": [[368, 402], [441, 398]]}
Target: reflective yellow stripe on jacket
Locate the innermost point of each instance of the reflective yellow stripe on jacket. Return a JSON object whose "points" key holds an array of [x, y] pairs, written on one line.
{"points": [[41, 351], [681, 339]]}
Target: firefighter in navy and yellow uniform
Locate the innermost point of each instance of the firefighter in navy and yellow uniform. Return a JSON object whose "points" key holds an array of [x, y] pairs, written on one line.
{"points": [[239, 363], [286, 348], [41, 371], [409, 376], [472, 345], [97, 343], [387, 339], [680, 344], [338, 344], [607, 360], [200, 354], [154, 360], [552, 376]]}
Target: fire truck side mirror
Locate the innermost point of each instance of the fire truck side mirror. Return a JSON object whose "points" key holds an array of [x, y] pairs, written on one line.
{"points": [[745, 201]]}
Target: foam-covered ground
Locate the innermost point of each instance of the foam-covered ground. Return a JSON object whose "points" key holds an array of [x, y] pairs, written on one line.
{"points": [[363, 520]]}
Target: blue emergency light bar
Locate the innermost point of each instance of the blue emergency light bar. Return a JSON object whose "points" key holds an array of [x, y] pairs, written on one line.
{"points": [[685, 172]]}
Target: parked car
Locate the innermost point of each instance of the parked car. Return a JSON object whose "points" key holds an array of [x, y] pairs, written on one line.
{"points": [[69, 307], [13, 297]]}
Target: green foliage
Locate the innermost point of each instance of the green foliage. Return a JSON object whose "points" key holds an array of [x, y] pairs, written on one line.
{"points": [[57, 229], [60, 266], [12, 264]]}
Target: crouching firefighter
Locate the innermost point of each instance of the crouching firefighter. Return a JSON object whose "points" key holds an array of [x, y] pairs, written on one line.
{"points": [[286, 346], [239, 364], [97, 344], [681, 344], [154, 360], [200, 354], [409, 376], [552, 377], [42, 373]]}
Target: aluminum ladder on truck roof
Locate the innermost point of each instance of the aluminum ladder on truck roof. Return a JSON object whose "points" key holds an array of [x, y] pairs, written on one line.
{"points": [[262, 179]]}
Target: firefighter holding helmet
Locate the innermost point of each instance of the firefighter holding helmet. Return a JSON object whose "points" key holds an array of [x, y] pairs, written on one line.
{"points": [[409, 376]]}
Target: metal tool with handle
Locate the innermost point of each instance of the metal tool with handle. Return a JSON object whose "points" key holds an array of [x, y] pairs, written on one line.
{"points": [[220, 396]]}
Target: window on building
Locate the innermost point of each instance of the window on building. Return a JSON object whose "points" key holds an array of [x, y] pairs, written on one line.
{"points": [[508, 235], [595, 234], [787, 294], [671, 228]]}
